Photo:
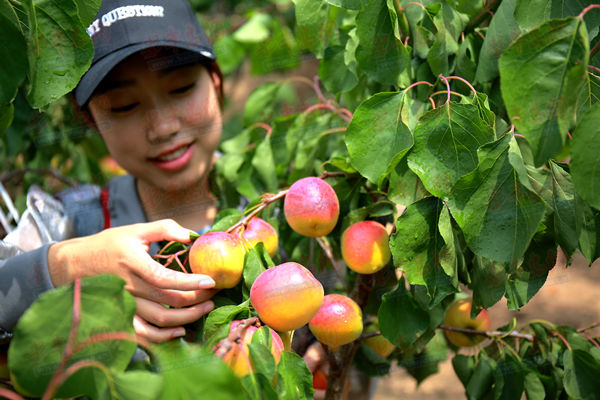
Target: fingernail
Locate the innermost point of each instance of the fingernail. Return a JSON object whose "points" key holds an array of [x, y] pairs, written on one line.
{"points": [[178, 332], [206, 282]]}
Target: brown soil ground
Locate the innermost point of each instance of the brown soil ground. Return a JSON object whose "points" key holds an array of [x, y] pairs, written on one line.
{"points": [[569, 297]]}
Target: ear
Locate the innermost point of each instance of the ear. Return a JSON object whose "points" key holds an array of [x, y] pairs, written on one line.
{"points": [[217, 77]]}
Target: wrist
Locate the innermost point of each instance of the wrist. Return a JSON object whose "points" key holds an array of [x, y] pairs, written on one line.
{"points": [[59, 265]]}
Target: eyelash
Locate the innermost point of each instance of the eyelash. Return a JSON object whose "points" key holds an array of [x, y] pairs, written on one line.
{"points": [[129, 107], [183, 89]]}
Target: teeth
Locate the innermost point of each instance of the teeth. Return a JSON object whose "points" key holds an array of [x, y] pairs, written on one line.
{"points": [[174, 155]]}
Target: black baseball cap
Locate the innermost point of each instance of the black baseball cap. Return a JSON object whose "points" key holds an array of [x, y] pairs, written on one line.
{"points": [[122, 28]]}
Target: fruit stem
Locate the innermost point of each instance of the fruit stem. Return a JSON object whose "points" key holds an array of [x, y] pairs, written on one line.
{"points": [[368, 335], [286, 338]]}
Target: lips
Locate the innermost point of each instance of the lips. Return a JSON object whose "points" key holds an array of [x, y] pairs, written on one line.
{"points": [[174, 159]]}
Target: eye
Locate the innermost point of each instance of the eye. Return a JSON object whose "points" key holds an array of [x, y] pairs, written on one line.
{"points": [[183, 89], [124, 109]]}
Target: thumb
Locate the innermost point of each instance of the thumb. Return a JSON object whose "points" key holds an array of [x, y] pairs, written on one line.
{"points": [[164, 229]]}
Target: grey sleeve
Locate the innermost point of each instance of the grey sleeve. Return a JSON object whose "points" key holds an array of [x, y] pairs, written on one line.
{"points": [[22, 279]]}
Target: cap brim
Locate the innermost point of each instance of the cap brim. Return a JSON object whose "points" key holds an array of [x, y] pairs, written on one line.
{"points": [[97, 72]]}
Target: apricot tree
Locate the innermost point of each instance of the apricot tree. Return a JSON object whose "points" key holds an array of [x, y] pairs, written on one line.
{"points": [[464, 131]]}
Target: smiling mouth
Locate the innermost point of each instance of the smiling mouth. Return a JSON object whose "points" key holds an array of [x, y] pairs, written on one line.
{"points": [[174, 154]]}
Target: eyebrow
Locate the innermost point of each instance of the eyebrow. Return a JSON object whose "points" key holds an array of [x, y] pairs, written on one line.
{"points": [[123, 83]]}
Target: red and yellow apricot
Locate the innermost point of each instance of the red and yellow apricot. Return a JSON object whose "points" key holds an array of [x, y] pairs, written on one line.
{"points": [[365, 247], [258, 230], [311, 207], [286, 296], [338, 321], [458, 315], [238, 358], [219, 255], [379, 344]]}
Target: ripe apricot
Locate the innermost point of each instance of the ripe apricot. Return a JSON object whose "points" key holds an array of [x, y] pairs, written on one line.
{"points": [[338, 321], [259, 230], [238, 358], [219, 255], [365, 247], [379, 343], [458, 315], [311, 207], [286, 296]]}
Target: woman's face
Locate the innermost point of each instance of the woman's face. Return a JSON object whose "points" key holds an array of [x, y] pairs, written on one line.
{"points": [[162, 126]]}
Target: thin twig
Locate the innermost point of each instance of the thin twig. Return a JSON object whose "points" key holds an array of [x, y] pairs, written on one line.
{"points": [[268, 199], [489, 334]]}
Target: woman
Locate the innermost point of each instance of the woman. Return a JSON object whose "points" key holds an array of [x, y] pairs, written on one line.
{"points": [[153, 93]]}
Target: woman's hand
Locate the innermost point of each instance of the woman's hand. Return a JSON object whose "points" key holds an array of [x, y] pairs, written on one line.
{"points": [[123, 251]]}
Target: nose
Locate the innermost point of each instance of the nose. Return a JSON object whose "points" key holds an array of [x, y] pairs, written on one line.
{"points": [[163, 123]]}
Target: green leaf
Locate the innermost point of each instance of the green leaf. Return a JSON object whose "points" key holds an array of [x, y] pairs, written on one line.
{"points": [[377, 138], [255, 30], [401, 320], [258, 387], [585, 157], [563, 202], [446, 143], [500, 34], [6, 117], [13, 52], [262, 359], [418, 248], [589, 95], [532, 13], [194, 372], [87, 10], [581, 375], [312, 25], [279, 52], [509, 378], [218, 321], [60, 51], [349, 4], [337, 77], [541, 76], [260, 103], [137, 385], [229, 53], [488, 281], [588, 226], [463, 367], [264, 164], [253, 266], [425, 363], [482, 201], [379, 54], [405, 186], [534, 388], [531, 275], [42, 332], [294, 380], [482, 378]]}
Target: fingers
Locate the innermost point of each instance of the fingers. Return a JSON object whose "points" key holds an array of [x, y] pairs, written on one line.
{"points": [[153, 333], [164, 229], [159, 276], [175, 298], [171, 317]]}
